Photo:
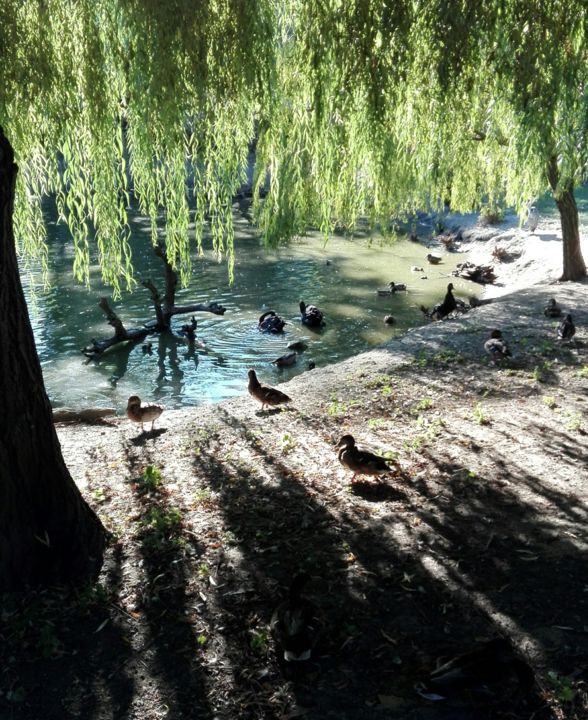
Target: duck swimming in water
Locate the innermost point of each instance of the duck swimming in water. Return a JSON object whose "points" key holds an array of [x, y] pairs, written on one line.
{"points": [[311, 315], [285, 360], [496, 347], [270, 322], [392, 288]]}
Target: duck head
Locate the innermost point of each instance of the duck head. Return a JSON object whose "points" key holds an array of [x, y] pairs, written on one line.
{"points": [[346, 441]]}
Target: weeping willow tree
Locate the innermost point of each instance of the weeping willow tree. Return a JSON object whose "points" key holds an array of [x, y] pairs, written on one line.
{"points": [[355, 107]]}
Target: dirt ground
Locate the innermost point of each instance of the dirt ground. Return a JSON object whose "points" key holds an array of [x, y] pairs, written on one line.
{"points": [[480, 533]]}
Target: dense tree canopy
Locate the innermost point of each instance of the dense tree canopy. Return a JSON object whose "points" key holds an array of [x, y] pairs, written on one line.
{"points": [[354, 107], [372, 107]]}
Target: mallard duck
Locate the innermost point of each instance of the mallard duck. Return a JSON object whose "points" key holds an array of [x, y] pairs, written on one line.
{"points": [[491, 671], [496, 347], [434, 259], [389, 319], [311, 315], [142, 413], [270, 322], [361, 462], [392, 288], [552, 309], [294, 624], [285, 360], [442, 309], [265, 394], [299, 345], [566, 329]]}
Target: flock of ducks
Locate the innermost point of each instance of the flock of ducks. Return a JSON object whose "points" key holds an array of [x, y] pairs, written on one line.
{"points": [[490, 670]]}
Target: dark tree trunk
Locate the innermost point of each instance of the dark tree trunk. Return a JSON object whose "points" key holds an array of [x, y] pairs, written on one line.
{"points": [[48, 534], [574, 267]]}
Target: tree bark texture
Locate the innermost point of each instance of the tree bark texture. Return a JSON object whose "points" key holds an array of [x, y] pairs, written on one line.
{"points": [[574, 267], [48, 534]]}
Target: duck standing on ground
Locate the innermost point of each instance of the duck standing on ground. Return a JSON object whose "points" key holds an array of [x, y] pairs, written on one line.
{"points": [[566, 329], [361, 462], [434, 259], [444, 308], [311, 315], [142, 413], [489, 672], [496, 347], [265, 394], [270, 322], [552, 309], [294, 624]]}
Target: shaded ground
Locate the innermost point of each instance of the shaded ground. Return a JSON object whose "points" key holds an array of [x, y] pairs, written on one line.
{"points": [[482, 533]]}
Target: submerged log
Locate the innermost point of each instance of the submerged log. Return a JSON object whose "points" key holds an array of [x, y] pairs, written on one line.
{"points": [[165, 308]]}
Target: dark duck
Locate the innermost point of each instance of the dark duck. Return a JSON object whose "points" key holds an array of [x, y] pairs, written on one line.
{"points": [[496, 347], [294, 624], [442, 309], [311, 315], [361, 462], [490, 673], [270, 322], [566, 329], [552, 309]]}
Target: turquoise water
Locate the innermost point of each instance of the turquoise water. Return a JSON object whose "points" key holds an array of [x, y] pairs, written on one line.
{"points": [[340, 277]]}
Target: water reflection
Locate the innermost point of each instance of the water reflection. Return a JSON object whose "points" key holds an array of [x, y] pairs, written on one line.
{"points": [[341, 278]]}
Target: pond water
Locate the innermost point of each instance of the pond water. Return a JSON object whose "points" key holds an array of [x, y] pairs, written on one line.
{"points": [[340, 277]]}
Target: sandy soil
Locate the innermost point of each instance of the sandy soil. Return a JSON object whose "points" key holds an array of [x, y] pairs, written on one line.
{"points": [[480, 532]]}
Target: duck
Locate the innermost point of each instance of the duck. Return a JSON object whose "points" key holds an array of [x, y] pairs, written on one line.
{"points": [[389, 319], [271, 322], [294, 624], [189, 330], [552, 309], [533, 218], [442, 309], [311, 315], [142, 413], [361, 462], [147, 348], [490, 671], [298, 345], [434, 259], [496, 347], [566, 329], [285, 360], [265, 394], [392, 288], [311, 365], [417, 268]]}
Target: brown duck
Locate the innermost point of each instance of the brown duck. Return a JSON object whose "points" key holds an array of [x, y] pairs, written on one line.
{"points": [[265, 394], [142, 413], [361, 462]]}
